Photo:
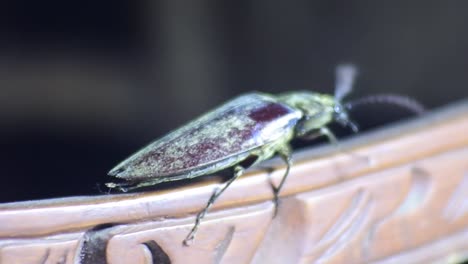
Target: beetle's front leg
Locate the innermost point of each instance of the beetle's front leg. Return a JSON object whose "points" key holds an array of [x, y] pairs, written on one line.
{"points": [[238, 171], [331, 137], [323, 131]]}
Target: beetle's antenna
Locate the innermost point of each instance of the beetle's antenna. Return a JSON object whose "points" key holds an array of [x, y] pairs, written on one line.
{"points": [[345, 76], [354, 127], [394, 99]]}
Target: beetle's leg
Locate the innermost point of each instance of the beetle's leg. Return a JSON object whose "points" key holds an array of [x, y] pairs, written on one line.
{"points": [[238, 171], [306, 134], [285, 154], [325, 131], [331, 137]]}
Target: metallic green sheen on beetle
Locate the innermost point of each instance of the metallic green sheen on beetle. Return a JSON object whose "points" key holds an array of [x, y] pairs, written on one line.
{"points": [[240, 133]]}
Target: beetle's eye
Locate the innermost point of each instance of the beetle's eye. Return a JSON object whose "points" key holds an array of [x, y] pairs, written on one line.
{"points": [[338, 109]]}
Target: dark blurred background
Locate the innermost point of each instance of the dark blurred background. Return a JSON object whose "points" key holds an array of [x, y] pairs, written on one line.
{"points": [[86, 83]]}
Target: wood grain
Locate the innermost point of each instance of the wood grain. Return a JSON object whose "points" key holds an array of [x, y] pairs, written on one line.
{"points": [[396, 195]]}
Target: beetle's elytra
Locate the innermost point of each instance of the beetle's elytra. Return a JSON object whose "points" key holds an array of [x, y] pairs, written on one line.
{"points": [[253, 126]]}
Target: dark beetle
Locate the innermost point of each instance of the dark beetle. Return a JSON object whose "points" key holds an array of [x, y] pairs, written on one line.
{"points": [[253, 126]]}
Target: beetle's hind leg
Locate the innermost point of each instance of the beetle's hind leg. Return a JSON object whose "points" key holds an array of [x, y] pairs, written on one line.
{"points": [[238, 171], [285, 154]]}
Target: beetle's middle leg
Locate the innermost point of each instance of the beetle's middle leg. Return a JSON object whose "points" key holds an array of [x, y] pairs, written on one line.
{"points": [[238, 171]]}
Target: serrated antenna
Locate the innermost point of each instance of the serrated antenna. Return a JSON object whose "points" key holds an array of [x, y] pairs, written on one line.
{"points": [[345, 76], [393, 99]]}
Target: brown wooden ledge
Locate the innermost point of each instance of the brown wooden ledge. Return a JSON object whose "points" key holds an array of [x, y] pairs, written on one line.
{"points": [[396, 195]]}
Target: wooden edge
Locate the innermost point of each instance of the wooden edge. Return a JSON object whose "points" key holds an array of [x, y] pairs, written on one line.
{"points": [[391, 191]]}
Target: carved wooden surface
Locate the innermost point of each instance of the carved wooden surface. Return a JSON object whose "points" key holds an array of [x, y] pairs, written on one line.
{"points": [[397, 195]]}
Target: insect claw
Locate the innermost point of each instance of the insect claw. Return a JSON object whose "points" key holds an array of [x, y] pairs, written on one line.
{"points": [[188, 240], [275, 204]]}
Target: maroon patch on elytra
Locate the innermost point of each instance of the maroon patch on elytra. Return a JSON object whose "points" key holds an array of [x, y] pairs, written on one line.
{"points": [[244, 134], [268, 112], [197, 154]]}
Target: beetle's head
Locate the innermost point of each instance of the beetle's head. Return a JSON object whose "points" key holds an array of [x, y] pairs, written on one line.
{"points": [[318, 111], [321, 109], [340, 115]]}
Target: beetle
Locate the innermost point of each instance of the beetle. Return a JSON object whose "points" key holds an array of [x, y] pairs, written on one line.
{"points": [[237, 135]]}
